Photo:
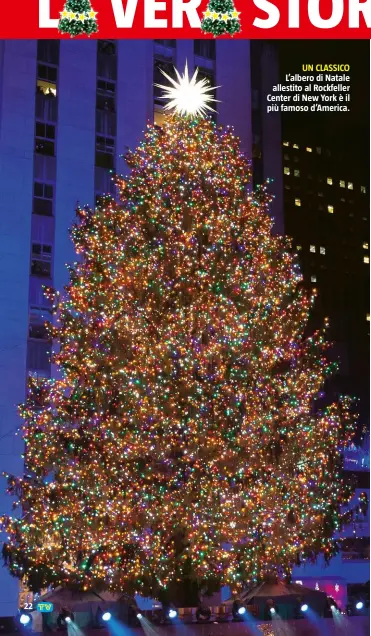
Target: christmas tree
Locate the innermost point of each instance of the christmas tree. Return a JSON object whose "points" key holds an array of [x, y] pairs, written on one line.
{"points": [[220, 18], [78, 17], [185, 440]]}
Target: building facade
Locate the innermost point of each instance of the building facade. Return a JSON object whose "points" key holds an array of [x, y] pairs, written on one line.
{"points": [[326, 203], [68, 110]]}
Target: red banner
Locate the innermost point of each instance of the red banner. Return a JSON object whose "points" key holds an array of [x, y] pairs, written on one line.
{"points": [[276, 19]]}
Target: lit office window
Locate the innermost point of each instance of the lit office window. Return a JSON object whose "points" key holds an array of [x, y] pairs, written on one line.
{"points": [[296, 173], [285, 143], [365, 246], [309, 149], [298, 247], [342, 184], [322, 250], [350, 185], [295, 146], [363, 189], [329, 181], [368, 317], [312, 248], [298, 202], [46, 88], [313, 279], [286, 170], [366, 259], [330, 209]]}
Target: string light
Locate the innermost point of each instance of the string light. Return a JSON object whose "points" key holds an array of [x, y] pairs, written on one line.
{"points": [[182, 435]]}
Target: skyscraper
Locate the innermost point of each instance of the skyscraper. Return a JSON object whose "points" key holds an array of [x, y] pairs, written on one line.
{"points": [[326, 203]]}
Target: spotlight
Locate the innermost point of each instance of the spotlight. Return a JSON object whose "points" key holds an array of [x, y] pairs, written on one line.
{"points": [[25, 619], [64, 619], [139, 616], [272, 610], [106, 617], [172, 613], [359, 605], [238, 610], [304, 607]]}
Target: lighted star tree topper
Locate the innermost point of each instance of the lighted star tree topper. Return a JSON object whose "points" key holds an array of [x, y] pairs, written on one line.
{"points": [[188, 96], [185, 443], [221, 18], [78, 18]]}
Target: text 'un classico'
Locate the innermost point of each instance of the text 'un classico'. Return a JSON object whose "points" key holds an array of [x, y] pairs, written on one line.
{"points": [[326, 68]]}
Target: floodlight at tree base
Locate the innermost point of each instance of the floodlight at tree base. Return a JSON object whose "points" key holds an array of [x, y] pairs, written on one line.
{"points": [[172, 613], [359, 605], [242, 611], [304, 607], [106, 617], [25, 619]]}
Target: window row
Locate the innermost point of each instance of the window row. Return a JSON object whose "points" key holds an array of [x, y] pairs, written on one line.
{"points": [[330, 208], [329, 180], [322, 250], [287, 171], [307, 148]]}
